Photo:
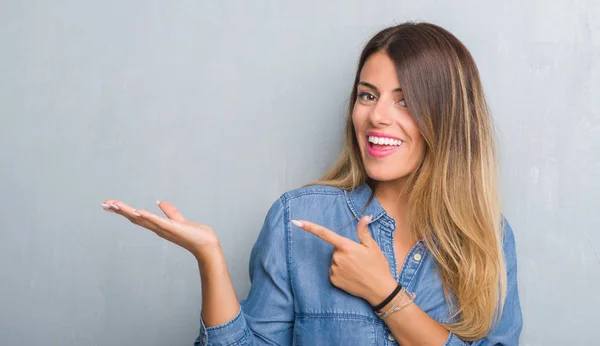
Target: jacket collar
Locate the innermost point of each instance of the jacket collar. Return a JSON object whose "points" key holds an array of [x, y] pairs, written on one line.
{"points": [[358, 198]]}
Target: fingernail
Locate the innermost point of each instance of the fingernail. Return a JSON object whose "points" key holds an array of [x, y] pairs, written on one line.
{"points": [[107, 208], [136, 213], [297, 223], [370, 218], [157, 202], [114, 207]]}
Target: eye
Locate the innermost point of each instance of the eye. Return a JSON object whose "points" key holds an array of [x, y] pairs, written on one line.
{"points": [[365, 96], [402, 103]]}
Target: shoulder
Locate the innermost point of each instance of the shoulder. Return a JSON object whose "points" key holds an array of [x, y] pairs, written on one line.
{"points": [[311, 191], [309, 203], [508, 235], [303, 203], [508, 243], [307, 195]]}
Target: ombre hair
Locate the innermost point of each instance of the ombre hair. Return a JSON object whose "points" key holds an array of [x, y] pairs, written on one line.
{"points": [[453, 201]]}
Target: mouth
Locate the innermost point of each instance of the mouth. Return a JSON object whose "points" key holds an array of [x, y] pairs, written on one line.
{"points": [[382, 146]]}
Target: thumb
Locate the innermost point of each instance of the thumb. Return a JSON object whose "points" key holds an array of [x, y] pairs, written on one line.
{"points": [[362, 230], [170, 211]]}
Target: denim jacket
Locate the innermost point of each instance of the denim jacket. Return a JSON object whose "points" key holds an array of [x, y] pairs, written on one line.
{"points": [[292, 302]]}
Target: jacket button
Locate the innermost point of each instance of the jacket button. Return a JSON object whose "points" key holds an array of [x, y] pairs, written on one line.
{"points": [[391, 337], [417, 257]]}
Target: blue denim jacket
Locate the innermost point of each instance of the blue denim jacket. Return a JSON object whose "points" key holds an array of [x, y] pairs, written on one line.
{"points": [[292, 302]]}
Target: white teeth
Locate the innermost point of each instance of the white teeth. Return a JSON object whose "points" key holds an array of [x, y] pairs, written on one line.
{"points": [[384, 141]]}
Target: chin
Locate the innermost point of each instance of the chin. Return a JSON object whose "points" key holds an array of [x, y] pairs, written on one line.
{"points": [[384, 175]]}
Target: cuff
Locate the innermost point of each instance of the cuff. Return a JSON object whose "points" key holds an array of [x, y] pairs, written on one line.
{"points": [[234, 332]]}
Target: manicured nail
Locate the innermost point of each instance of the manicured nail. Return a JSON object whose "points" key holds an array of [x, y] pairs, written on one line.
{"points": [[370, 218], [107, 208], [297, 223], [114, 207], [157, 202], [136, 213]]}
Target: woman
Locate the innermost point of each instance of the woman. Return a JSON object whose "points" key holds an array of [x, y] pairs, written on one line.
{"points": [[410, 244]]}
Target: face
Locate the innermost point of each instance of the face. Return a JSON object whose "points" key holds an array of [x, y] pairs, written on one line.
{"points": [[389, 140]]}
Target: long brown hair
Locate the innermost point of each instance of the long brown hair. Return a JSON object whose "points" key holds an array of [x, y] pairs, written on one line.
{"points": [[453, 202]]}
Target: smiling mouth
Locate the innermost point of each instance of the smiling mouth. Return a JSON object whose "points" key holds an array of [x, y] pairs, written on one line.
{"points": [[380, 147], [383, 143]]}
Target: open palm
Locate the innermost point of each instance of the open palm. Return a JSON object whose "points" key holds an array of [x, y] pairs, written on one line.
{"points": [[194, 237]]}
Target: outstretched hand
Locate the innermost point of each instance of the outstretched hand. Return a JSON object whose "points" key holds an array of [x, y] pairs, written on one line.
{"points": [[360, 269], [192, 236]]}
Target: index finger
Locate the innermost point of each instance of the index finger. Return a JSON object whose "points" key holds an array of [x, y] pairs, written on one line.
{"points": [[120, 207], [329, 236]]}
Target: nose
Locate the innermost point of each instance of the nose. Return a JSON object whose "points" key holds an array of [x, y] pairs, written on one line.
{"points": [[379, 116]]}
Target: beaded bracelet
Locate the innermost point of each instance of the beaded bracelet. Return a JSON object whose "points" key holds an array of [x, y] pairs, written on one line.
{"points": [[395, 307]]}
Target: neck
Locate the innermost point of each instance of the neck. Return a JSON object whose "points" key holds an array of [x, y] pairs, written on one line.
{"points": [[391, 195], [393, 198]]}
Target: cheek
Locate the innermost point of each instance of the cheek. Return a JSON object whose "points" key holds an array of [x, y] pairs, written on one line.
{"points": [[412, 130], [417, 147], [358, 120], [356, 117]]}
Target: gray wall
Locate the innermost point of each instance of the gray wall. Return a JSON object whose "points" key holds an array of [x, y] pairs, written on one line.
{"points": [[221, 106]]}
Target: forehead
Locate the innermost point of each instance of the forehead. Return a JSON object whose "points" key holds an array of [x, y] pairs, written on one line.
{"points": [[380, 71]]}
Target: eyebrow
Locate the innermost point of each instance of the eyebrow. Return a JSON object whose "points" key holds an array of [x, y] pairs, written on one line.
{"points": [[369, 85]]}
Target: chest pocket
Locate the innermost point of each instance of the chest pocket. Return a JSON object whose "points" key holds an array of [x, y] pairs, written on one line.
{"points": [[334, 329]]}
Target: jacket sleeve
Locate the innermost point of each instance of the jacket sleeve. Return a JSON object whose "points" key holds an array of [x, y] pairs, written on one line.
{"points": [[508, 329], [266, 316]]}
